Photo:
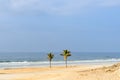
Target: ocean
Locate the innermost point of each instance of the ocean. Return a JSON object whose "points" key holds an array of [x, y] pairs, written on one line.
{"points": [[39, 59]]}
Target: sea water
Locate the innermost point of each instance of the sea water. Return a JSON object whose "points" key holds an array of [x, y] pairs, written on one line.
{"points": [[39, 59]]}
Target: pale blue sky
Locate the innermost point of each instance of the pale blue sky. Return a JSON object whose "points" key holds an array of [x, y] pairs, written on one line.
{"points": [[54, 25]]}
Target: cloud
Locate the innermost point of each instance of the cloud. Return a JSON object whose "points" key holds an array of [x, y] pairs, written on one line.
{"points": [[55, 6]]}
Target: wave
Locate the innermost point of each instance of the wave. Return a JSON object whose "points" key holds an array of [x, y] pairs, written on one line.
{"points": [[93, 60], [100, 60], [17, 64]]}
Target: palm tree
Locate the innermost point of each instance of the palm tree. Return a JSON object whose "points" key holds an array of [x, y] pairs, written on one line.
{"points": [[66, 54], [50, 57]]}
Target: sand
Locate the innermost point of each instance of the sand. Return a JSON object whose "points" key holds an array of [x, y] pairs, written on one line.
{"points": [[81, 72]]}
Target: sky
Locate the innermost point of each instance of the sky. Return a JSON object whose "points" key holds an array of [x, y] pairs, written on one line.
{"points": [[55, 25]]}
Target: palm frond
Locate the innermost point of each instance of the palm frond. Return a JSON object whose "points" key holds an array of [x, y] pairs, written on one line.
{"points": [[68, 54], [50, 56], [61, 54]]}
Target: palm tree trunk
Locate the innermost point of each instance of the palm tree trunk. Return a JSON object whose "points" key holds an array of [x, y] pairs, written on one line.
{"points": [[66, 63], [50, 63]]}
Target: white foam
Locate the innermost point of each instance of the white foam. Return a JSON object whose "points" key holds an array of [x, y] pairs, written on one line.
{"points": [[46, 63]]}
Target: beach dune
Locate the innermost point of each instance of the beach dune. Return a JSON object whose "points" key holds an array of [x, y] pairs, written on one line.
{"points": [[81, 72]]}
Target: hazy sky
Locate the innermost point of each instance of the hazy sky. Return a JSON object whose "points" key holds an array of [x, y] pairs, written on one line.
{"points": [[54, 25]]}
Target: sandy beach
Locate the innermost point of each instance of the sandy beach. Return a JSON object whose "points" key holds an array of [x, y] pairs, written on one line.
{"points": [[81, 72]]}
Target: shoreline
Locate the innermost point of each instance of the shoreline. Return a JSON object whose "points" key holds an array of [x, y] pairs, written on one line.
{"points": [[26, 64]]}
